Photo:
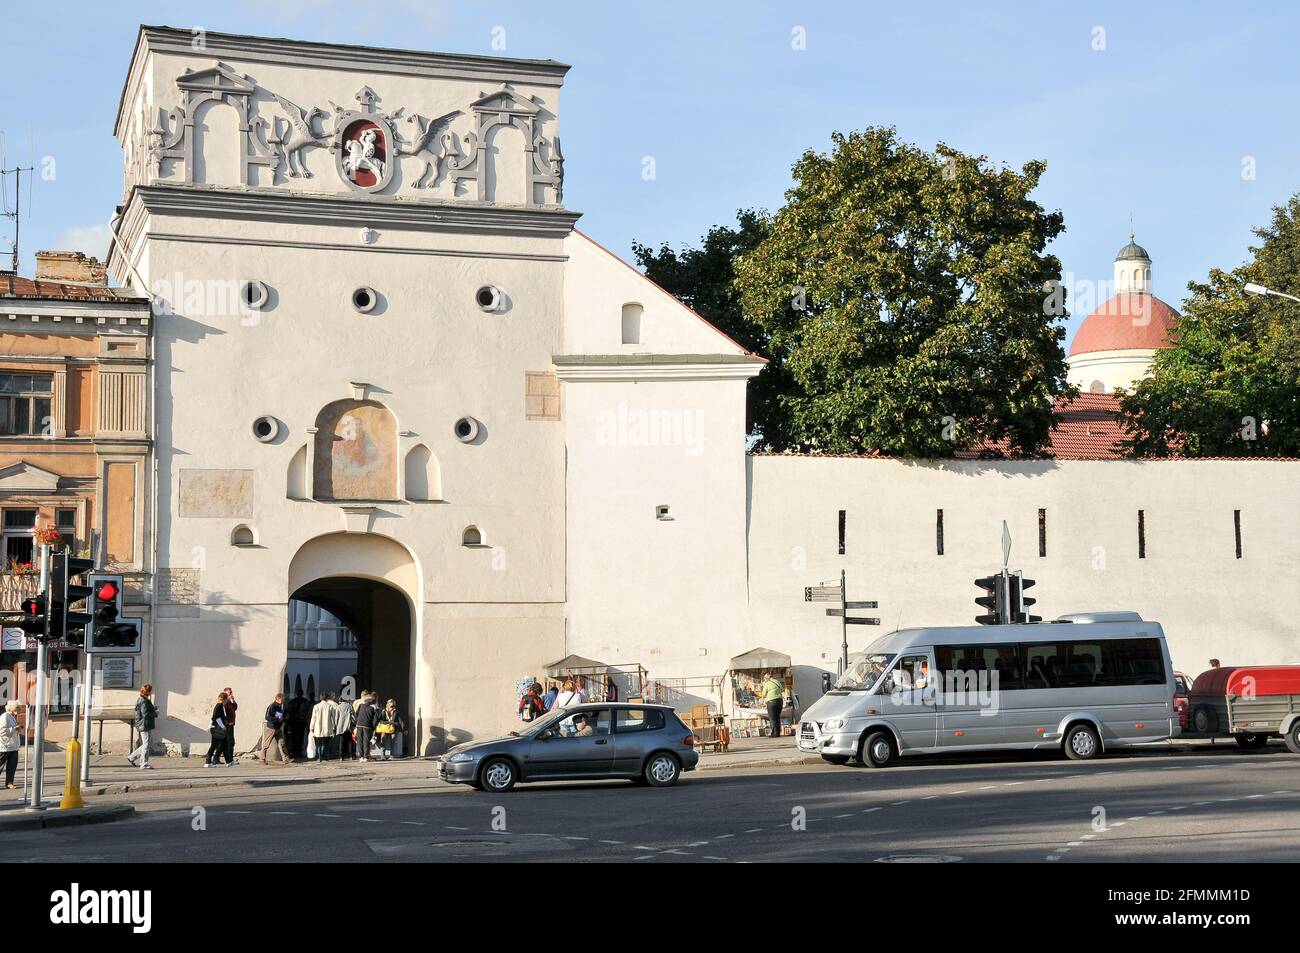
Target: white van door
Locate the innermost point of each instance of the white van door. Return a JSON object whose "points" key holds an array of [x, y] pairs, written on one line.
{"points": [[973, 678], [909, 699]]}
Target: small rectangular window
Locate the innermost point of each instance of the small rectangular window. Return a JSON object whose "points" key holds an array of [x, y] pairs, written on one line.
{"points": [[1042, 532], [20, 519], [1142, 534], [25, 408], [1236, 528], [938, 532], [841, 532]]}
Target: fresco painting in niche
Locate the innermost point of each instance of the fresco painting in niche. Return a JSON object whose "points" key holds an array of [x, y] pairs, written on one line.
{"points": [[356, 452]]}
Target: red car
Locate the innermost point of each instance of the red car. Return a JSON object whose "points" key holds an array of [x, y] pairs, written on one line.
{"points": [[1182, 689]]}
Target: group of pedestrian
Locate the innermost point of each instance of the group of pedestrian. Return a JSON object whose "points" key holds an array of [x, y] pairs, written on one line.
{"points": [[222, 730], [343, 731], [534, 702]]}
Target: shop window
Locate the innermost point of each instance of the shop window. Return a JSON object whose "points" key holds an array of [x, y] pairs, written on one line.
{"points": [[18, 543], [25, 404]]}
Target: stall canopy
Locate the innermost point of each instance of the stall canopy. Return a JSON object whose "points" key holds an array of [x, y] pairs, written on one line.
{"points": [[759, 658], [572, 663]]}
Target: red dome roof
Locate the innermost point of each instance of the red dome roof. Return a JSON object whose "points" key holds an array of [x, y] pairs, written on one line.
{"points": [[1127, 322]]}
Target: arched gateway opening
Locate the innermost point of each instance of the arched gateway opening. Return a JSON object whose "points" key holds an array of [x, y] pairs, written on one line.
{"points": [[351, 616]]}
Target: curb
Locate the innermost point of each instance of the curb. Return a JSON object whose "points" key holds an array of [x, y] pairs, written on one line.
{"points": [[21, 820]]}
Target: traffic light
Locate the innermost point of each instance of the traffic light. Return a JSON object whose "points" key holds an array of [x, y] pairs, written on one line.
{"points": [[107, 632], [1020, 602], [33, 621], [995, 599], [67, 621]]}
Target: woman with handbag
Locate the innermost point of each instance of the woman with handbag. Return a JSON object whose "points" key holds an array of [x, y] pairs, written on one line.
{"points": [[217, 729], [390, 726]]}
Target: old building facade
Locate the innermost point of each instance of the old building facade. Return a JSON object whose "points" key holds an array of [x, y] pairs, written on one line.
{"points": [[399, 386], [75, 464]]}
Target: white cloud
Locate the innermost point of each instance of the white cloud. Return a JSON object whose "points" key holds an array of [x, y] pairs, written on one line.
{"points": [[90, 240]]}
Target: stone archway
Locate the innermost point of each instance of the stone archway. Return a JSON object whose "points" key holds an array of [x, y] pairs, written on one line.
{"points": [[371, 585]]}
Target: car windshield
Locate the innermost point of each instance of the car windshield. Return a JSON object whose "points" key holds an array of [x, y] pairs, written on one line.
{"points": [[541, 724], [865, 672]]}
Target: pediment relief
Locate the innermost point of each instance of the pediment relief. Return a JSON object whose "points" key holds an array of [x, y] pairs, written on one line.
{"points": [[22, 476], [216, 79], [507, 100]]}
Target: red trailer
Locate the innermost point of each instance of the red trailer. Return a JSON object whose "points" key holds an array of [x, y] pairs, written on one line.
{"points": [[1250, 703]]}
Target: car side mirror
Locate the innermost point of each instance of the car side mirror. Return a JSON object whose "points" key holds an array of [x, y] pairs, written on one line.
{"points": [[546, 735]]}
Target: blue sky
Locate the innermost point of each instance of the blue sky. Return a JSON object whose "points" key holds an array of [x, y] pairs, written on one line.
{"points": [[1160, 123]]}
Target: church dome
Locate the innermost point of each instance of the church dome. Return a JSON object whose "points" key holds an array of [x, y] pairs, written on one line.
{"points": [[1132, 252], [1130, 321]]}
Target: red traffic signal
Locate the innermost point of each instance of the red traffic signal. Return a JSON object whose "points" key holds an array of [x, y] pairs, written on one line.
{"points": [[106, 593]]}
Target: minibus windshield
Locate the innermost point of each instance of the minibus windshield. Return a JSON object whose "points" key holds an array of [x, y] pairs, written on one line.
{"points": [[865, 672]]}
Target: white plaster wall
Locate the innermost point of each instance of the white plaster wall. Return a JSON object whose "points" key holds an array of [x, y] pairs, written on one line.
{"points": [[597, 285], [1210, 603], [431, 356], [666, 593]]}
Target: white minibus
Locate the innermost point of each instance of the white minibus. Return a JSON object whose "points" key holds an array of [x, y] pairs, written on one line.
{"points": [[1083, 683]]}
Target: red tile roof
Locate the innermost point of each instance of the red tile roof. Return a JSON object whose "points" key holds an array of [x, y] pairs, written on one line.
{"points": [[1088, 430], [12, 286]]}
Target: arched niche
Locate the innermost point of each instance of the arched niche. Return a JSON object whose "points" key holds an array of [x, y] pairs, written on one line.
{"points": [[423, 475], [296, 478], [218, 140], [505, 175], [630, 324], [356, 451]]}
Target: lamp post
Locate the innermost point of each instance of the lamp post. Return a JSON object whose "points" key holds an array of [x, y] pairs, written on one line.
{"points": [[1254, 289]]}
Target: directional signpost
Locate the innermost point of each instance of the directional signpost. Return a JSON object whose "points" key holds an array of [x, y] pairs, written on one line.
{"points": [[825, 593]]}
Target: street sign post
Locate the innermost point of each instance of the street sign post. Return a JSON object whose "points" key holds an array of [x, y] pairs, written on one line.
{"points": [[825, 593]]}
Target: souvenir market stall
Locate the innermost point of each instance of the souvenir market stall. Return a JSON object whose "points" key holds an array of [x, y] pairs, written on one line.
{"points": [[745, 676]]}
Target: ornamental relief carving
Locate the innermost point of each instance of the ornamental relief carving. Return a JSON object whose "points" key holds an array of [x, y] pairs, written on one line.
{"points": [[462, 154]]}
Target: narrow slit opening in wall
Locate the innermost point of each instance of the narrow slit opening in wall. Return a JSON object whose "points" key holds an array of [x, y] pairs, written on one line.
{"points": [[1236, 529], [841, 532], [938, 532], [1042, 532], [1142, 534]]}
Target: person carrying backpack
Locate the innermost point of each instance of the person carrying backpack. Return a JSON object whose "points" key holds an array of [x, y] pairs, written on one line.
{"points": [[531, 705]]}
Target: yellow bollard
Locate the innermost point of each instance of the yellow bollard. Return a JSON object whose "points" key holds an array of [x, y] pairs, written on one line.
{"points": [[72, 777]]}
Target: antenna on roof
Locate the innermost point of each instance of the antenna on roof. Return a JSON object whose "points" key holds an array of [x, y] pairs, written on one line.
{"points": [[17, 173]]}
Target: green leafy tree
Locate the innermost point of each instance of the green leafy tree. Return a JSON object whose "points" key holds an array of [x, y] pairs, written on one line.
{"points": [[908, 294], [1231, 384], [704, 280]]}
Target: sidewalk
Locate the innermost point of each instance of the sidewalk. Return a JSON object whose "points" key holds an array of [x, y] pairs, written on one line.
{"points": [[110, 774]]}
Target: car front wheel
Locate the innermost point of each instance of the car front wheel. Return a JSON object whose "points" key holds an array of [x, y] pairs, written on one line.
{"points": [[497, 775], [662, 770], [878, 750], [1082, 743]]}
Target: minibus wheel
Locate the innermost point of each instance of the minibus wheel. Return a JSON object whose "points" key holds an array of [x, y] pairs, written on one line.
{"points": [[878, 750], [835, 758], [1293, 737], [1251, 742], [1082, 743]]}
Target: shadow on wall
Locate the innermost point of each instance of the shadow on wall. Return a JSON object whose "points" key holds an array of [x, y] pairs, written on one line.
{"points": [[441, 738], [808, 684]]}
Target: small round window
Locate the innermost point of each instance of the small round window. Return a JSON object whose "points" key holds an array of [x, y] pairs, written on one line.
{"points": [[488, 298], [266, 429], [254, 295], [466, 429], [365, 299]]}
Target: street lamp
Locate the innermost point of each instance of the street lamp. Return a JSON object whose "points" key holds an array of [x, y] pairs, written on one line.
{"points": [[1254, 289]]}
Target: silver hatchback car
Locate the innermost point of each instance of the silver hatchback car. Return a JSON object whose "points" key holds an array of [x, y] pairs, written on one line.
{"points": [[648, 744]]}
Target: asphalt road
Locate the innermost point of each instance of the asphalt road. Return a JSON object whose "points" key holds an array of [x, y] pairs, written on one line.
{"points": [[1154, 805]]}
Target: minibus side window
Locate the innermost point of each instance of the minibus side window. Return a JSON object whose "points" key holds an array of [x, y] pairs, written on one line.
{"points": [[1135, 662], [1064, 665]]}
